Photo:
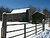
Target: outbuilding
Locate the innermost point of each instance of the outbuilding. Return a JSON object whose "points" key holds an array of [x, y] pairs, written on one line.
{"points": [[37, 17]]}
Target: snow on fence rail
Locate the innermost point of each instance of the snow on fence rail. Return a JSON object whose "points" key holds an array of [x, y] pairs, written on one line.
{"points": [[4, 28]]}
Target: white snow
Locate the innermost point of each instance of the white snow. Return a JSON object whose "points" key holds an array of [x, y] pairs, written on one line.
{"points": [[45, 34], [0, 28], [15, 27], [20, 10]]}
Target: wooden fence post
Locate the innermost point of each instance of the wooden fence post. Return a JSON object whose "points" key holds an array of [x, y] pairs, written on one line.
{"points": [[3, 33], [43, 23], [35, 29], [24, 30], [49, 22]]}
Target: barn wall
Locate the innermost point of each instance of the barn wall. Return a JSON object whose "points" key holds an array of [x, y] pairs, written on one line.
{"points": [[17, 17]]}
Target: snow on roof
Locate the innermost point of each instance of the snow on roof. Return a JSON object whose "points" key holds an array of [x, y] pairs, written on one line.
{"points": [[39, 12], [20, 10]]}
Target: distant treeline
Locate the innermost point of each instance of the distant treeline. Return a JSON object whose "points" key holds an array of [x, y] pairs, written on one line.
{"points": [[4, 9], [8, 10]]}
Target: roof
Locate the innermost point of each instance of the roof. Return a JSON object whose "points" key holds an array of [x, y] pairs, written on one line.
{"points": [[20, 10], [41, 12]]}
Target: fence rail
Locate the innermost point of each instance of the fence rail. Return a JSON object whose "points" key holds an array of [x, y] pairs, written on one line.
{"points": [[4, 28]]}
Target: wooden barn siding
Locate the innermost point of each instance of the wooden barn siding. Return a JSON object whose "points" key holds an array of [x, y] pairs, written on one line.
{"points": [[14, 17]]}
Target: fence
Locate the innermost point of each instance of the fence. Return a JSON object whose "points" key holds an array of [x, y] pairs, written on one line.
{"points": [[4, 27]]}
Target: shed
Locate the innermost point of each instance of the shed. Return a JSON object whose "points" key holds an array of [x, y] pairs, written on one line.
{"points": [[37, 17]]}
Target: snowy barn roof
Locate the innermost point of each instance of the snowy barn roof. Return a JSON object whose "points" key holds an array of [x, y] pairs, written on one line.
{"points": [[20, 10]]}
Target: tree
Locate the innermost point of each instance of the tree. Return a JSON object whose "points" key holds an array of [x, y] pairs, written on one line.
{"points": [[4, 9], [46, 12], [31, 11]]}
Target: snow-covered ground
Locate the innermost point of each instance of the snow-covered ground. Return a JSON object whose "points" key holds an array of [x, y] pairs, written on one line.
{"points": [[15, 27], [0, 28]]}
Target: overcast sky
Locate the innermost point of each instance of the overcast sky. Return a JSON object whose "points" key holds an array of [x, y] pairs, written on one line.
{"points": [[25, 3]]}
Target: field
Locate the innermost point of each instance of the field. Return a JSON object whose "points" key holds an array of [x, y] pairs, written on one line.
{"points": [[15, 27]]}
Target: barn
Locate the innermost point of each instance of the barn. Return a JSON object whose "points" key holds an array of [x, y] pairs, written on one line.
{"points": [[19, 15]]}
